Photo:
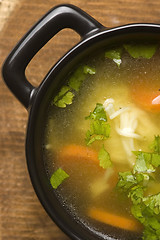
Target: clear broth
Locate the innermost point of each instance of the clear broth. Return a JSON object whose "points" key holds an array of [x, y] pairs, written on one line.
{"points": [[68, 125]]}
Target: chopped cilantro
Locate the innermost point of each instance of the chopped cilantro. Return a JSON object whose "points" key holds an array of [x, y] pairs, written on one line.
{"points": [[136, 194], [79, 76], [99, 130], [58, 177], [66, 94], [141, 50], [89, 70], [153, 202], [64, 97], [115, 55], [155, 159], [104, 158], [146, 209], [126, 180], [143, 162], [98, 113], [148, 218]]}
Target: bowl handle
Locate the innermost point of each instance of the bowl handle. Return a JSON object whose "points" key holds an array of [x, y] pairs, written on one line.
{"points": [[58, 18]]}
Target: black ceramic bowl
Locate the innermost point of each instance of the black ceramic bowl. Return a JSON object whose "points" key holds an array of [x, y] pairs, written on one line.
{"points": [[36, 100]]}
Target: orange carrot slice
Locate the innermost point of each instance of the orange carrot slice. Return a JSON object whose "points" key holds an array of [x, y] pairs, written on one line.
{"points": [[114, 220], [146, 96], [76, 151]]}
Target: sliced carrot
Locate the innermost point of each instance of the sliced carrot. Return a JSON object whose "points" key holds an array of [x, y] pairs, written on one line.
{"points": [[114, 220], [79, 152], [146, 96]]}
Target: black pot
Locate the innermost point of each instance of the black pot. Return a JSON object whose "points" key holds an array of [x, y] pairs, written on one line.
{"points": [[36, 100]]}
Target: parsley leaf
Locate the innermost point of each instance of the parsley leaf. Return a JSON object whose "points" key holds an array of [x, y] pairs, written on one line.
{"points": [[141, 50], [90, 70], [153, 202], [146, 209], [99, 130], [143, 162], [149, 219], [126, 180], [64, 97], [66, 94], [149, 234], [79, 76], [115, 55], [98, 113], [136, 194], [155, 159], [104, 158], [58, 177], [137, 210]]}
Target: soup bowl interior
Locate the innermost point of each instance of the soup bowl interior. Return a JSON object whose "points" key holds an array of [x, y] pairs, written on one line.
{"points": [[74, 228]]}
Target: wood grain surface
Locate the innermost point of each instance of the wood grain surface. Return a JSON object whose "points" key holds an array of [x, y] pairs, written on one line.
{"points": [[21, 215]]}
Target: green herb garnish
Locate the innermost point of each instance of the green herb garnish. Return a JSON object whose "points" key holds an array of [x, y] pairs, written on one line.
{"points": [[67, 93], [64, 97], [99, 128], [141, 50], [104, 158], [58, 177], [115, 55], [79, 76], [143, 162], [146, 209], [89, 70], [98, 113]]}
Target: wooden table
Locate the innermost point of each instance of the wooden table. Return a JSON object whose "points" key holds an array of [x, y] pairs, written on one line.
{"points": [[21, 215]]}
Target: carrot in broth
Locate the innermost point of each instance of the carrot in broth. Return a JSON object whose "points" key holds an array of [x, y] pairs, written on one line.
{"points": [[114, 220], [146, 96], [73, 151]]}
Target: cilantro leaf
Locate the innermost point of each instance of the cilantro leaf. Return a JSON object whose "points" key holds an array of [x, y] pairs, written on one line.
{"points": [[79, 76], [89, 70], [149, 234], [143, 162], [66, 94], [145, 209], [99, 130], [155, 159], [136, 194], [104, 158], [64, 97], [141, 50], [58, 177], [137, 211], [126, 180], [115, 55], [153, 202], [98, 113]]}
